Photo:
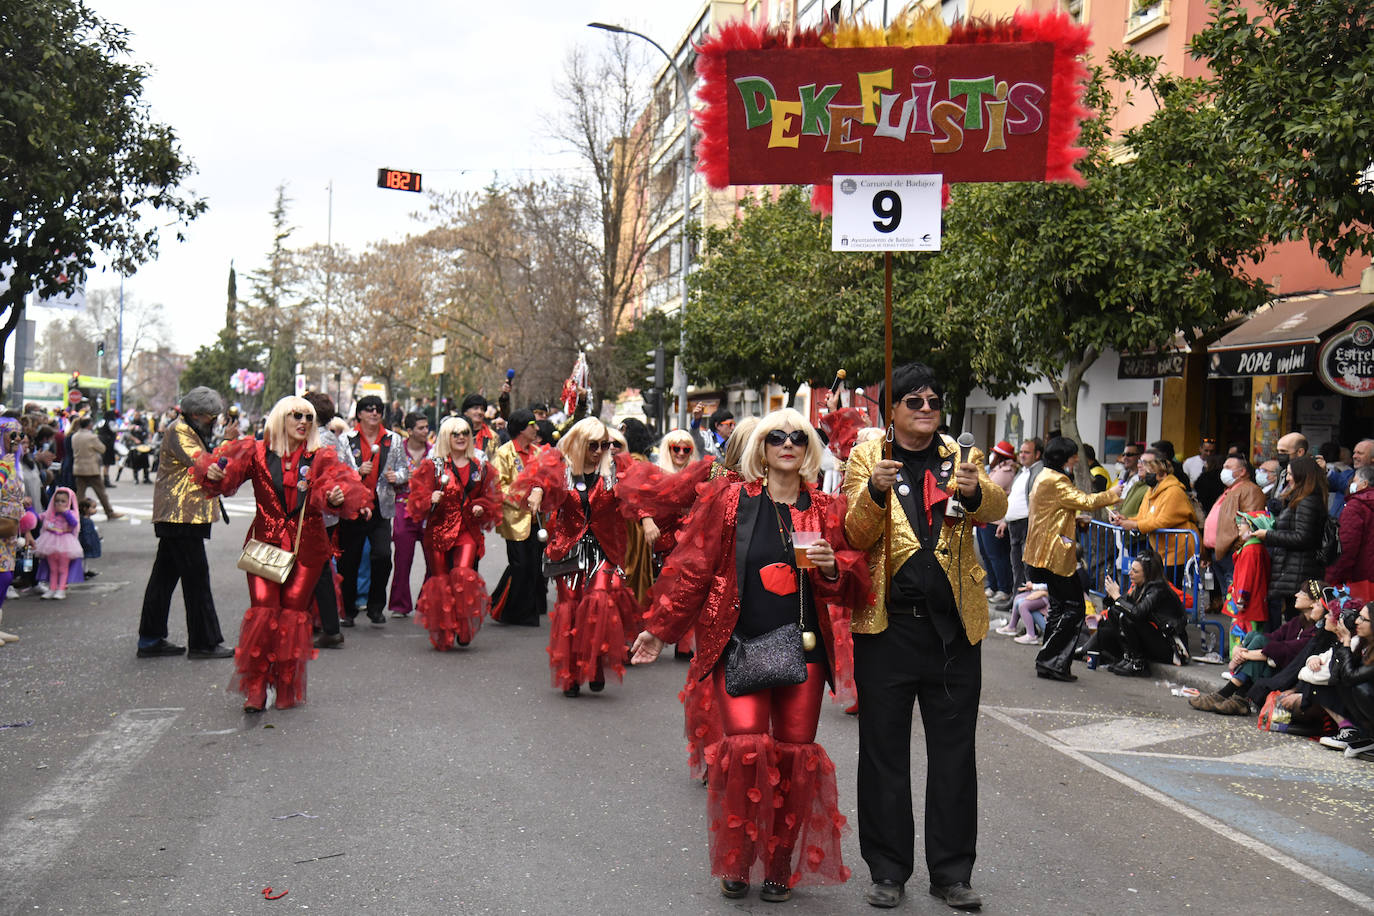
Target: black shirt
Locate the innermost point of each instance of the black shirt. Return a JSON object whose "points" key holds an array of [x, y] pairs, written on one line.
{"points": [[761, 610]]}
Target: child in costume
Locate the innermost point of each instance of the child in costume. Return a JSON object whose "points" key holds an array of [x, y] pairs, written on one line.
{"points": [[1247, 598], [59, 544]]}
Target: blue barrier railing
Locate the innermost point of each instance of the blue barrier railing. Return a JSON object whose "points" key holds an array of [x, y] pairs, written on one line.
{"points": [[1108, 549]]}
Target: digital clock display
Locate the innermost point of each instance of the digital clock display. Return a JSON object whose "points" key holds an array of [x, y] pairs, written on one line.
{"points": [[398, 180]]}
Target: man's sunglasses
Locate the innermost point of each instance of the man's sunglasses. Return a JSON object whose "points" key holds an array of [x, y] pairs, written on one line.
{"points": [[300, 415], [1130, 454], [595, 446], [777, 437], [372, 409], [914, 402]]}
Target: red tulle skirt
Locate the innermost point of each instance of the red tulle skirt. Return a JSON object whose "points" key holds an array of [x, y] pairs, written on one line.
{"points": [[451, 607], [701, 722], [274, 645], [589, 632], [773, 812], [842, 671]]}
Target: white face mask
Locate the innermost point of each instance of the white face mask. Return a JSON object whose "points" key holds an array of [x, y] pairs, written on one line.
{"points": [[1354, 487], [1262, 477], [1228, 477]]}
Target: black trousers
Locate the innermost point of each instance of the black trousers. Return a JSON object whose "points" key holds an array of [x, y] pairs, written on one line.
{"points": [[522, 595], [1063, 622], [904, 665], [352, 533], [326, 600], [181, 559]]}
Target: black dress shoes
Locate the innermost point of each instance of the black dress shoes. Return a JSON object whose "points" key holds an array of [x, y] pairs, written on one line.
{"points": [[347, 621], [1051, 675], [377, 617], [733, 889], [329, 641], [161, 647], [958, 895], [219, 651], [884, 893]]}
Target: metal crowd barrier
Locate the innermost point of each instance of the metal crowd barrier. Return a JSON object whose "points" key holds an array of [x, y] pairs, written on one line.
{"points": [[1108, 549]]}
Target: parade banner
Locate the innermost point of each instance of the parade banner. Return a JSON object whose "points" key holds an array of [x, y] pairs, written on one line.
{"points": [[974, 102]]}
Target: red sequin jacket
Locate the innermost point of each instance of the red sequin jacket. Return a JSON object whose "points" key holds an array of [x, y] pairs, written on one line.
{"points": [[453, 517], [562, 506], [249, 460], [702, 579]]}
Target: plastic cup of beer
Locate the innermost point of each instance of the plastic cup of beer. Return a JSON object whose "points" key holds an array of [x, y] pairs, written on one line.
{"points": [[801, 540]]}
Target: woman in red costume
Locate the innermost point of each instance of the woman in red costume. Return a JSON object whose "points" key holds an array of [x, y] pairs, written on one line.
{"points": [[772, 803], [457, 496], [289, 472], [575, 484]]}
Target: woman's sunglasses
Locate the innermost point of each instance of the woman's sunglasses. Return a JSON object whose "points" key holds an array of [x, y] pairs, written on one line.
{"points": [[777, 437], [595, 446], [914, 402], [681, 449], [298, 415]]}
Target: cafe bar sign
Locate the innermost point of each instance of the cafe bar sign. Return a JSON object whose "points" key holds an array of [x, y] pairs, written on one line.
{"points": [[1346, 361], [1245, 362], [1151, 365]]}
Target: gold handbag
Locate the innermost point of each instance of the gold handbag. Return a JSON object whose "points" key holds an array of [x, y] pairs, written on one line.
{"points": [[268, 561]]}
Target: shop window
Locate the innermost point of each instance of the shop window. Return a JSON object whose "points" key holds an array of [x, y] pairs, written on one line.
{"points": [[982, 423], [1047, 416], [1121, 423]]}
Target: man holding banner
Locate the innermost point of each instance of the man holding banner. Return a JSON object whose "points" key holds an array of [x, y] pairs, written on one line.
{"points": [[920, 641]]}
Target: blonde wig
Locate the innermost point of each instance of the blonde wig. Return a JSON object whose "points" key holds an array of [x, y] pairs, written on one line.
{"points": [[869, 432], [443, 443], [734, 446], [573, 445], [274, 430], [753, 465], [665, 451], [618, 438]]}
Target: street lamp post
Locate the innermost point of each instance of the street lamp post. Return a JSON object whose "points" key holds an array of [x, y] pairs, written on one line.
{"points": [[679, 366]]}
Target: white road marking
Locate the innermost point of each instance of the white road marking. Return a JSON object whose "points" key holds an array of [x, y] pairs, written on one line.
{"points": [[1361, 900], [36, 837], [1126, 733]]}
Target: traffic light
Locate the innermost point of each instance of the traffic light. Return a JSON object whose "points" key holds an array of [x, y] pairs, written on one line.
{"points": [[653, 405], [100, 348], [657, 366]]}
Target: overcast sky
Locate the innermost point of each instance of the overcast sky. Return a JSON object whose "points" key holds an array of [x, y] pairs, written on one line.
{"points": [[305, 91]]}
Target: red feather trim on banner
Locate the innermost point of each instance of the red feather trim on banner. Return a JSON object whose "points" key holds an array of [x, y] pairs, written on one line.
{"points": [[1070, 42], [713, 149]]}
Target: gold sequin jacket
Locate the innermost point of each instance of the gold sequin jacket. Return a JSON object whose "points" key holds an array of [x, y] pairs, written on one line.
{"points": [[955, 550], [177, 498]]}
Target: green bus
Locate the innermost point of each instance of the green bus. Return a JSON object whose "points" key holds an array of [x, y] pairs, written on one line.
{"points": [[53, 390]]}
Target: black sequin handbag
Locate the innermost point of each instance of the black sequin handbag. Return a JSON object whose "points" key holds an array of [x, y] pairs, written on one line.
{"points": [[772, 659]]}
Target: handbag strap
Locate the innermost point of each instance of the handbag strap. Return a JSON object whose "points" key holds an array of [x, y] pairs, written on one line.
{"points": [[300, 521]]}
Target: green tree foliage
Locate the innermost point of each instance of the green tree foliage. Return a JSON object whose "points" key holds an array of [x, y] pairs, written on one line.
{"points": [[773, 302], [81, 161], [1296, 78], [1150, 247]]}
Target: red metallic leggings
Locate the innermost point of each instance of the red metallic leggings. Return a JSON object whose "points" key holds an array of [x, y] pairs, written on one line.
{"points": [[441, 561], [297, 593], [792, 711]]}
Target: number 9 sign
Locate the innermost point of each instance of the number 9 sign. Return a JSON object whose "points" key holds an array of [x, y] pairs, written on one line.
{"points": [[886, 213]]}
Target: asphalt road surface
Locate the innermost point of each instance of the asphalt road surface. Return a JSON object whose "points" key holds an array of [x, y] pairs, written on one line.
{"points": [[415, 782]]}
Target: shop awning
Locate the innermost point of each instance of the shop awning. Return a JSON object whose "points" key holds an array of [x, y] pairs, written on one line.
{"points": [[1282, 337]]}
